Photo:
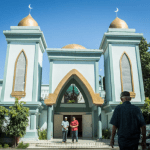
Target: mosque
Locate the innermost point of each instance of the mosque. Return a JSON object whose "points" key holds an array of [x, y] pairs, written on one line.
{"points": [[73, 68]]}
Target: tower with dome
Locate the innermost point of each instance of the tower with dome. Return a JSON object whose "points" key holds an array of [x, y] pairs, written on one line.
{"points": [[73, 73]]}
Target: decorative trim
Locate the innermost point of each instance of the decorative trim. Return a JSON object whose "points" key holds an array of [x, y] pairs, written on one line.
{"points": [[5, 73], [96, 77], [26, 34], [50, 77], [19, 94], [74, 54], [141, 85], [73, 113], [112, 83], [120, 36], [132, 94], [35, 74], [96, 99]]}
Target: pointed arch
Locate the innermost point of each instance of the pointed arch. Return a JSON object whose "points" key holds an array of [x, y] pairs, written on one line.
{"points": [[127, 62], [52, 98], [20, 76]]}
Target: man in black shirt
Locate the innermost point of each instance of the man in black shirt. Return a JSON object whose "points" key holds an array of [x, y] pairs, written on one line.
{"points": [[128, 119]]}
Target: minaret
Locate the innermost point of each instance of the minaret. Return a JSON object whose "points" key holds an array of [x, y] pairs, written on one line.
{"points": [[23, 67], [122, 65]]}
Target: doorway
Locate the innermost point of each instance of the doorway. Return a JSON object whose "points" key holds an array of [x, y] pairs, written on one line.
{"points": [[70, 118]]}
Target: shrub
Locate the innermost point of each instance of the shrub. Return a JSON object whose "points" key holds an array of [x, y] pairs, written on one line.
{"points": [[6, 145], [42, 134], [1, 146], [18, 115], [23, 146], [106, 133]]}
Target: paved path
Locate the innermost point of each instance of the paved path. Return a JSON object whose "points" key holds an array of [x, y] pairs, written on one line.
{"points": [[82, 144]]}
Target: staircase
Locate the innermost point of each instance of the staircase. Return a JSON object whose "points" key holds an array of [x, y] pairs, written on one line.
{"points": [[82, 144]]}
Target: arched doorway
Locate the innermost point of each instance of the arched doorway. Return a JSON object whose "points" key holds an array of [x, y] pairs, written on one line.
{"points": [[83, 110]]}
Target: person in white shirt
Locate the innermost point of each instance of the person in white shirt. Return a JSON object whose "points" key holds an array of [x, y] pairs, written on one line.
{"points": [[65, 125]]}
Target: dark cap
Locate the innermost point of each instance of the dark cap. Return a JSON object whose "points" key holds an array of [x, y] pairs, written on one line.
{"points": [[124, 93]]}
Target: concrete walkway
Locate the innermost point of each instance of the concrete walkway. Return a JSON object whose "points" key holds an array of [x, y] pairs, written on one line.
{"points": [[82, 144]]}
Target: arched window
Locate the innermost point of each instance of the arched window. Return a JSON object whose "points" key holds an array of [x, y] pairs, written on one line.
{"points": [[20, 73], [126, 74]]}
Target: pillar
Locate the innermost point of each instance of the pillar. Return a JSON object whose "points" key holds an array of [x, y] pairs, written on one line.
{"points": [[49, 122], [93, 121], [32, 122], [99, 127]]}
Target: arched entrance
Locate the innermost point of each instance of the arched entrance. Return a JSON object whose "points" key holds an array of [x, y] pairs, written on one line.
{"points": [[55, 108], [77, 76]]}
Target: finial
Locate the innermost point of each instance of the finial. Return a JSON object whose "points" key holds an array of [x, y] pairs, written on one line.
{"points": [[30, 8], [116, 11]]}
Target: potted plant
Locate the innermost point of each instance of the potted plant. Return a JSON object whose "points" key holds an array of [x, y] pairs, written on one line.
{"points": [[18, 116]]}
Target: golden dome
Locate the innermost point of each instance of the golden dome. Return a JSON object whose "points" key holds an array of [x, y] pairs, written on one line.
{"points": [[28, 21], [118, 23], [74, 46]]}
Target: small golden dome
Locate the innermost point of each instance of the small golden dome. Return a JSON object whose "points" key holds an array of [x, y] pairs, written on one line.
{"points": [[74, 46], [28, 21], [118, 23]]}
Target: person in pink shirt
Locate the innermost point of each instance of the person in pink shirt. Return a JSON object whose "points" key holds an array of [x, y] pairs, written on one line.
{"points": [[74, 125]]}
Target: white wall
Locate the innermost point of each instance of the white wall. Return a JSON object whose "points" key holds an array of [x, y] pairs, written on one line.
{"points": [[44, 91], [117, 51], [43, 120], [14, 51], [61, 68]]}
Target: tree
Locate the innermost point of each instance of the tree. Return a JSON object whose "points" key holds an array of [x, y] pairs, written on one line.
{"points": [[3, 112], [18, 116], [145, 63], [146, 110]]}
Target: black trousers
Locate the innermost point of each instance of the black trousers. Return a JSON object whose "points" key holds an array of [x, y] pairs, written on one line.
{"points": [[134, 147], [125, 144]]}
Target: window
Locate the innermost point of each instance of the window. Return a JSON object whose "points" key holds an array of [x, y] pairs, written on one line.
{"points": [[20, 73], [126, 74], [72, 95]]}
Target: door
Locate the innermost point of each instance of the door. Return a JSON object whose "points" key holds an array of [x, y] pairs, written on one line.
{"points": [[87, 126], [57, 126]]}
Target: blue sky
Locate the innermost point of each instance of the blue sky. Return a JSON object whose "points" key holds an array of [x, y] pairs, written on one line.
{"points": [[73, 21]]}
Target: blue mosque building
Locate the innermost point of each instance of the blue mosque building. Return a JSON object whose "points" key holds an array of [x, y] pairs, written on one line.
{"points": [[72, 67]]}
